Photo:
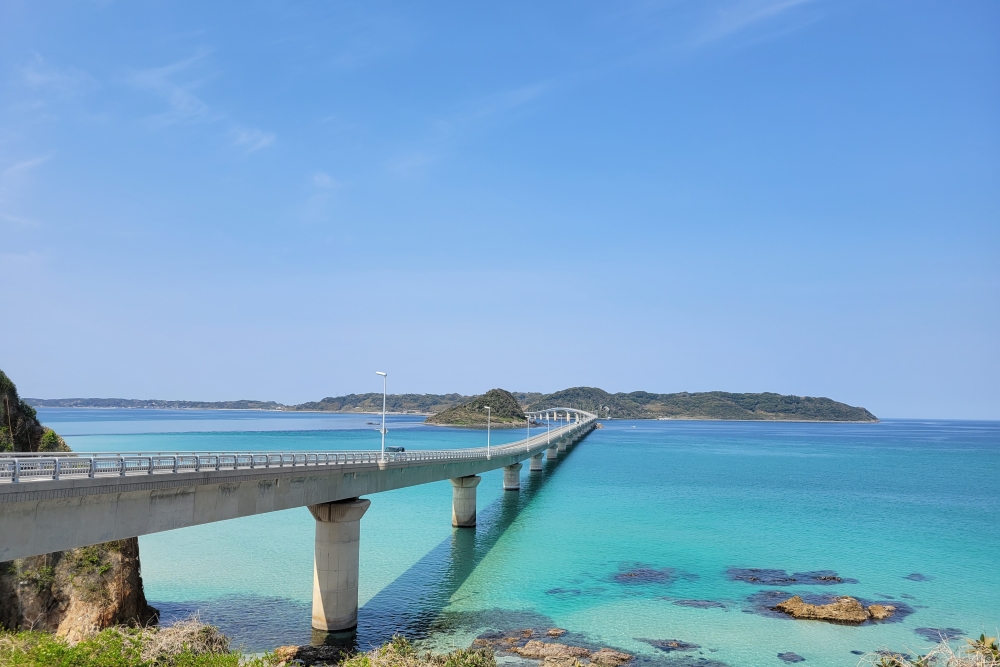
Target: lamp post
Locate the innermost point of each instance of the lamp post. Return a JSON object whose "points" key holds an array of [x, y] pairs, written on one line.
{"points": [[487, 431], [382, 430], [527, 435]]}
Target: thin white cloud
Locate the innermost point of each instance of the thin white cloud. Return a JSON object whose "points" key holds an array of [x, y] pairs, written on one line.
{"points": [[411, 164], [40, 76], [14, 177], [165, 82], [176, 84], [325, 181], [744, 15], [251, 139], [471, 114]]}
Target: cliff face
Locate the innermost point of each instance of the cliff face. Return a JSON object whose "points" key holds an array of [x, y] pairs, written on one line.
{"points": [[20, 430], [73, 593]]}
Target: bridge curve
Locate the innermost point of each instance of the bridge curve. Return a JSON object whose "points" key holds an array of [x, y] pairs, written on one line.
{"points": [[53, 503]]}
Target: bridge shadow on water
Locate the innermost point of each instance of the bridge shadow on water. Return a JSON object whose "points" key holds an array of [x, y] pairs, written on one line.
{"points": [[411, 605]]}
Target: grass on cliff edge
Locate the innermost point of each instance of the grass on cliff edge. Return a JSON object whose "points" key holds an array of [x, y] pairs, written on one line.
{"points": [[194, 644]]}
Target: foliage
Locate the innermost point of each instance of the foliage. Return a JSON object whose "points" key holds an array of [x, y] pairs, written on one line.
{"points": [[20, 430], [186, 644], [982, 652], [504, 410], [51, 442], [704, 405], [399, 652]]}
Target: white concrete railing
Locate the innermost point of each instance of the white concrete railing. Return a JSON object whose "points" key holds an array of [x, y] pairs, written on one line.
{"points": [[35, 466]]}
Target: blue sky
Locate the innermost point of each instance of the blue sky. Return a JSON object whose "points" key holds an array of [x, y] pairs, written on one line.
{"points": [[766, 195]]}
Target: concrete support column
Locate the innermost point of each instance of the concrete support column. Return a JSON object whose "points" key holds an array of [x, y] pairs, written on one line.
{"points": [[562, 445], [512, 477], [552, 453], [335, 563], [536, 463], [463, 501]]}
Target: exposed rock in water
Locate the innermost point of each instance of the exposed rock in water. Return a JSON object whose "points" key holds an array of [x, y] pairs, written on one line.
{"points": [[789, 656], [541, 650], [607, 657], [669, 645], [842, 610], [880, 612], [553, 654], [310, 655], [73, 593], [768, 577]]}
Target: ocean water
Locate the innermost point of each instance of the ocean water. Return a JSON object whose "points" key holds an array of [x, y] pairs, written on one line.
{"points": [[635, 537]]}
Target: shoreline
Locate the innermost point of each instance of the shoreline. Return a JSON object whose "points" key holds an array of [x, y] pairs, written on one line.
{"points": [[430, 414]]}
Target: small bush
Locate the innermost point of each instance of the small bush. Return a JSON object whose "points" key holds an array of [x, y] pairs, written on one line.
{"points": [[982, 652], [185, 644]]}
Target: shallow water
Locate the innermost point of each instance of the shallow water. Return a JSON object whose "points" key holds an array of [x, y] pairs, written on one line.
{"points": [[630, 537]]}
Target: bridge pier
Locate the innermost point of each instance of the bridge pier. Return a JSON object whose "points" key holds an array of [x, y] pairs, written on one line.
{"points": [[463, 501], [536, 463], [562, 444], [512, 477], [335, 564], [552, 453]]}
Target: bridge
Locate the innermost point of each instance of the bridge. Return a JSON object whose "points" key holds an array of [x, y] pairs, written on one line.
{"points": [[53, 503]]}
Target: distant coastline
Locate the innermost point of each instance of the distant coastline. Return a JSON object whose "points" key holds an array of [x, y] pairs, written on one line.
{"points": [[703, 406]]}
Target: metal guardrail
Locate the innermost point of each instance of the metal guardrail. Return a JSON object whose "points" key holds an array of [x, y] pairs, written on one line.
{"points": [[35, 466]]}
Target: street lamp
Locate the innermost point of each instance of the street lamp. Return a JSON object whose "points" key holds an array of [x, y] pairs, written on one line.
{"points": [[382, 430], [488, 412], [527, 436]]}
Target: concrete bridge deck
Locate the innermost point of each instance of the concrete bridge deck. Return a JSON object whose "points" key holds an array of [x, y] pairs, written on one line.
{"points": [[56, 503]]}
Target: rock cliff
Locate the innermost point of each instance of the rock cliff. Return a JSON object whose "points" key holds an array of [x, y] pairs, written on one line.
{"points": [[72, 593]]}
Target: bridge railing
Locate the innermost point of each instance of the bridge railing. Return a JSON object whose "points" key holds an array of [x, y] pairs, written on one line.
{"points": [[33, 466]]}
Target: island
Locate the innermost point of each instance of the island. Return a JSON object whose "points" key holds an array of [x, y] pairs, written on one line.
{"points": [[504, 412], [720, 405]]}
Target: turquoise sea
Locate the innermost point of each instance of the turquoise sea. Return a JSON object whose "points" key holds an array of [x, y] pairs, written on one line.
{"points": [[640, 534]]}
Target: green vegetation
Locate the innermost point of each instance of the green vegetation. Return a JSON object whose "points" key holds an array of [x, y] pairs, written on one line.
{"points": [[704, 405], [372, 402], [505, 411], [982, 652], [20, 430], [398, 652], [632, 405], [193, 644], [203, 646], [152, 404]]}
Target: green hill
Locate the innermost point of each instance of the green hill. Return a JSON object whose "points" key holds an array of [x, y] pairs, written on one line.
{"points": [[702, 405], [505, 412], [633, 405]]}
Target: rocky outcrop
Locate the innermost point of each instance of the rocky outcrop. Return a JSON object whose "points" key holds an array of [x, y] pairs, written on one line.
{"points": [[551, 654], [842, 610], [72, 593], [75, 593], [20, 430]]}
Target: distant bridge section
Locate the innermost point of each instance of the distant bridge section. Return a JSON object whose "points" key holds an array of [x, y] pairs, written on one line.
{"points": [[52, 503]]}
